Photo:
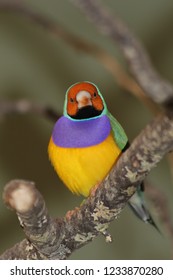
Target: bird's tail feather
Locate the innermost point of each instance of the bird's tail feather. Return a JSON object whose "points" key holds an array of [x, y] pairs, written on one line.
{"points": [[137, 204]]}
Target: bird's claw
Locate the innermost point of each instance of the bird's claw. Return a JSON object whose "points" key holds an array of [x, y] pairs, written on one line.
{"points": [[70, 213], [93, 190]]}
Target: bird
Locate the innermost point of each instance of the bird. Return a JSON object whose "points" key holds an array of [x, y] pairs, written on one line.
{"points": [[87, 141]]}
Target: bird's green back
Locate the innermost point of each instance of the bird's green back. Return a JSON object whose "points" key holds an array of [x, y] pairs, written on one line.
{"points": [[118, 132]]}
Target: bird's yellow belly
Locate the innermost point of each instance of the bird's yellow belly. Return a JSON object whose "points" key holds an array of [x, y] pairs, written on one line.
{"points": [[82, 168]]}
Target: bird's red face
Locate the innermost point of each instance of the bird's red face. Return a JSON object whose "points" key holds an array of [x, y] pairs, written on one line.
{"points": [[83, 101]]}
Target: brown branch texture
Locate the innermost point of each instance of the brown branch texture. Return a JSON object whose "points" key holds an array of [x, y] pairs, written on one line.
{"points": [[158, 89]]}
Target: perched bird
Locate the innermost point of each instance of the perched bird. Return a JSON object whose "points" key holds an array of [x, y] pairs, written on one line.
{"points": [[86, 142]]}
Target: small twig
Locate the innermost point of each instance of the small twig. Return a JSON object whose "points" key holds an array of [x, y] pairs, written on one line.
{"points": [[57, 239], [24, 107]]}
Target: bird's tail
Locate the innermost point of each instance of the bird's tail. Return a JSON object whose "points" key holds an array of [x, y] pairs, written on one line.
{"points": [[137, 204]]}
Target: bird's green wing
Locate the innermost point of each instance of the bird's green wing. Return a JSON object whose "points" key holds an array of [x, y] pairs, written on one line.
{"points": [[118, 132]]}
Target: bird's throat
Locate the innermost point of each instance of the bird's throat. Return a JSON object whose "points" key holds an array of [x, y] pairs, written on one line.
{"points": [[86, 113]]}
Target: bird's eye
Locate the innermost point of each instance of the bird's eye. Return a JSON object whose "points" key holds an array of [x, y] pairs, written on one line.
{"points": [[95, 94], [71, 100]]}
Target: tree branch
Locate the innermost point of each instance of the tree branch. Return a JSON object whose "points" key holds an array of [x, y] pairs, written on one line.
{"points": [[154, 86], [24, 106], [57, 239], [80, 44]]}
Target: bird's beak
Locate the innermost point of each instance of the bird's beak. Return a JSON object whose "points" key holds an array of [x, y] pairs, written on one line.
{"points": [[84, 99]]}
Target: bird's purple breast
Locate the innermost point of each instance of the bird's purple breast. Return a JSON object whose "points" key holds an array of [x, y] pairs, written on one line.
{"points": [[79, 134]]}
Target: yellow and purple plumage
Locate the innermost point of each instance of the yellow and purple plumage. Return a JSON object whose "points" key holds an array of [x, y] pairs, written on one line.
{"points": [[86, 142], [82, 168], [83, 150]]}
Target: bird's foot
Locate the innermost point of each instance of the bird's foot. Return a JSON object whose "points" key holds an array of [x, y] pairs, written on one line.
{"points": [[93, 190], [70, 213]]}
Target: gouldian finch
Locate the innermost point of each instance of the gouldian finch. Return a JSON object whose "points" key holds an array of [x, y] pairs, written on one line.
{"points": [[86, 142]]}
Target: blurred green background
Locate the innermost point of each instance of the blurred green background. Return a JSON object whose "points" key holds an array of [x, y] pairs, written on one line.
{"points": [[39, 66]]}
